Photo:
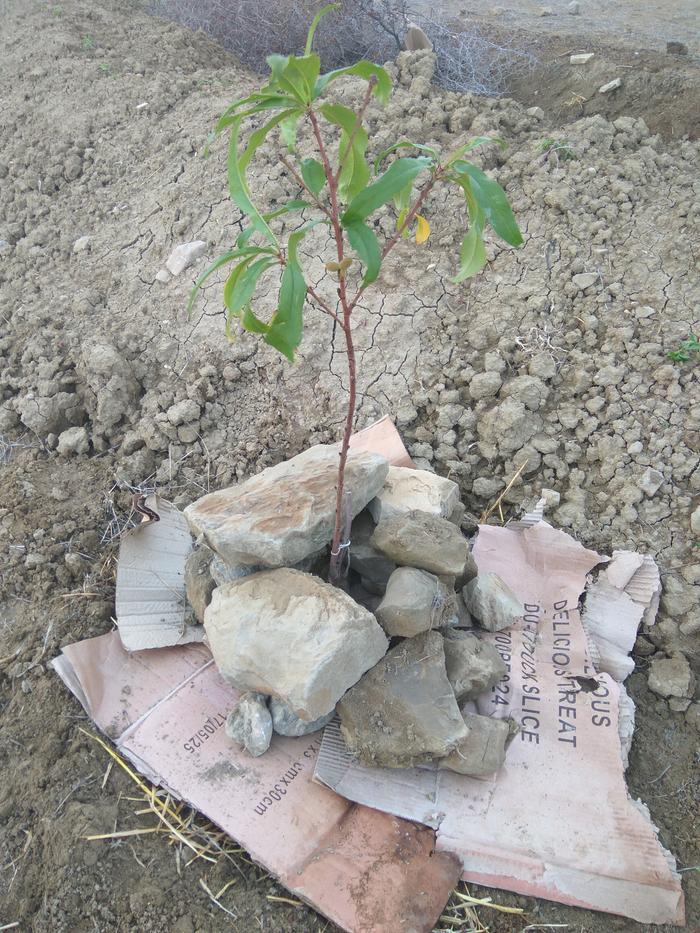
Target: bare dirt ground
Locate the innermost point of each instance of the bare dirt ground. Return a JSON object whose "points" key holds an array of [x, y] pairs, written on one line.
{"points": [[580, 384]]}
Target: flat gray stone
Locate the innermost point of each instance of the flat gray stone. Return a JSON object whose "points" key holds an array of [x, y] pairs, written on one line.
{"points": [[492, 602], [408, 490], [473, 665], [416, 601], [403, 712], [288, 634], [286, 722], [223, 573], [483, 751], [250, 724], [199, 584], [286, 513], [425, 541]]}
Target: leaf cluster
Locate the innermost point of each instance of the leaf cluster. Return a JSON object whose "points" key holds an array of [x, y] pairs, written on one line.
{"points": [[340, 190]]}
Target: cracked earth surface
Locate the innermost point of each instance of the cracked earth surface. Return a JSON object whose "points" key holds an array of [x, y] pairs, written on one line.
{"points": [[555, 357]]}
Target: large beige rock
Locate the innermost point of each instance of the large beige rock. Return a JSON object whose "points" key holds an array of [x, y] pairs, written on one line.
{"points": [[418, 539], [403, 711], [407, 490], [288, 634], [286, 513]]}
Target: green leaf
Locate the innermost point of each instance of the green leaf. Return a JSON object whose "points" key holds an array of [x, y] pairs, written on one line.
{"points": [[402, 199], [365, 243], [238, 187], [402, 144], [232, 281], [288, 130], [493, 201], [354, 171], [287, 208], [220, 261], [472, 144], [285, 329], [257, 137], [253, 324], [396, 177], [295, 76], [472, 256], [363, 69], [240, 294], [279, 102], [313, 174], [314, 24]]}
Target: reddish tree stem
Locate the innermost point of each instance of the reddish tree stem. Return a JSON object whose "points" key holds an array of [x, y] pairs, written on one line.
{"points": [[336, 564]]}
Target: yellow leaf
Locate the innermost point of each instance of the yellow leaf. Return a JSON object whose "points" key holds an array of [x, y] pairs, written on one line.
{"points": [[423, 229]]}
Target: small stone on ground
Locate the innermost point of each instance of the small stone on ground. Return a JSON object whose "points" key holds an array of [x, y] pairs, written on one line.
{"points": [[483, 751], [250, 724]]}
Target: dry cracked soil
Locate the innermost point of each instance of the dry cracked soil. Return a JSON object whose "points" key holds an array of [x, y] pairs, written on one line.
{"points": [[556, 357]]}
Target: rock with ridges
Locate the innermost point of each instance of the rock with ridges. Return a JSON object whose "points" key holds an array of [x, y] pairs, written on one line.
{"points": [[287, 512], [199, 584], [473, 665], [403, 711], [73, 441], [484, 749], [416, 601], [424, 541], [671, 677], [408, 490], [286, 722], [492, 602], [290, 635], [250, 724]]}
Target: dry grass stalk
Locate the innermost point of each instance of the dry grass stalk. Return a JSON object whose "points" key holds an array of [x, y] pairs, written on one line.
{"points": [[497, 504]]}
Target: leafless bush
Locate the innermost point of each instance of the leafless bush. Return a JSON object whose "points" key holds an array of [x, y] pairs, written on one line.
{"points": [[372, 29]]}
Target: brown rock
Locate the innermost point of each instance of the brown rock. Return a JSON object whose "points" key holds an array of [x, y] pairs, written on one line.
{"points": [[403, 711], [427, 542], [416, 601], [483, 751], [199, 584], [473, 665]]}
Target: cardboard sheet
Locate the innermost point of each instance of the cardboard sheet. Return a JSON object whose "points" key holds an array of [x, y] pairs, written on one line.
{"points": [[556, 821], [165, 711]]}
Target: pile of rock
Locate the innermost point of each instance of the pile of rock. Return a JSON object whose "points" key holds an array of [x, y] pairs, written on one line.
{"points": [[392, 655]]}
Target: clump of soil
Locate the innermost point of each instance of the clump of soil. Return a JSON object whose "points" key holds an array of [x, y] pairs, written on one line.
{"points": [[558, 353]]}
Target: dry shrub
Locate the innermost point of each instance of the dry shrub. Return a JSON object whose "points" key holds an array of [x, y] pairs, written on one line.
{"points": [[372, 29]]}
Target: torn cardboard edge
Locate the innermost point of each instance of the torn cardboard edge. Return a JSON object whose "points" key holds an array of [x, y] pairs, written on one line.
{"points": [[150, 603], [556, 822]]}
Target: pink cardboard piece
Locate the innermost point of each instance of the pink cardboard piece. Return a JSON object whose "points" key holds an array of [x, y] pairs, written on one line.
{"points": [[556, 821]]}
